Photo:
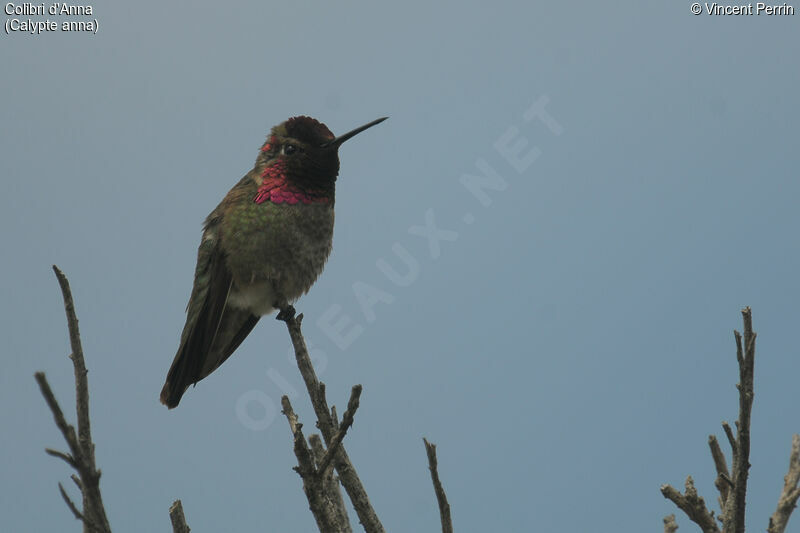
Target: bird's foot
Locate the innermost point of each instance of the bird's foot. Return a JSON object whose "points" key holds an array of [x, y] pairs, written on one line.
{"points": [[286, 313]]}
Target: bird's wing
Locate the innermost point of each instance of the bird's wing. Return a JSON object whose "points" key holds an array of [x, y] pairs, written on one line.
{"points": [[213, 329]]}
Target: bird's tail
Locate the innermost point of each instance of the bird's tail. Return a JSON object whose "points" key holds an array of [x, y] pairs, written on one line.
{"points": [[201, 353], [174, 388]]}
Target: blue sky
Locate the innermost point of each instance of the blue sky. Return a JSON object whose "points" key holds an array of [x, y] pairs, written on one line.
{"points": [[567, 342]]}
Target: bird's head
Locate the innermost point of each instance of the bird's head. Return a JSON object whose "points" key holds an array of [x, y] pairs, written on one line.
{"points": [[304, 151]]}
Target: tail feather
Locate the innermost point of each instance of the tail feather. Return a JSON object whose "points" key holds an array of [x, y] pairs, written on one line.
{"points": [[197, 357]]}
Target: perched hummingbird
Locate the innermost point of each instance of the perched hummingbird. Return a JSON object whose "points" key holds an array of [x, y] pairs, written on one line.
{"points": [[262, 247]]}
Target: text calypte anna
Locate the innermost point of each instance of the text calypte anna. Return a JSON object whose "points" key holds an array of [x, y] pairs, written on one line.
{"points": [[262, 247]]}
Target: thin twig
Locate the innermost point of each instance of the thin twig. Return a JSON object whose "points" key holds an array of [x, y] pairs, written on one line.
{"points": [[79, 365], [347, 421], [76, 460], [330, 485], [70, 504], [177, 518], [790, 493], [58, 415], [723, 481], [302, 451], [729, 434], [321, 507], [670, 526], [61, 455], [347, 473], [78, 515], [441, 497]]}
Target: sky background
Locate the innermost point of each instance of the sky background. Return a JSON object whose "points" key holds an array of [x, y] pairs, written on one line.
{"points": [[569, 350]]}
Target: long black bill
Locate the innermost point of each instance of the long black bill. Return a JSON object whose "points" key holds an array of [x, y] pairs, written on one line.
{"points": [[342, 138]]}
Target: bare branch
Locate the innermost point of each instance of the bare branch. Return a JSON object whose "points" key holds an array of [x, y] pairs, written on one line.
{"points": [[81, 447], [81, 381], [734, 512], [347, 421], [670, 526], [790, 493], [177, 518], [61, 455], [87, 524], [732, 486], [723, 481], [58, 415], [70, 503], [330, 485], [441, 497], [322, 508], [347, 473], [729, 434], [693, 505], [76, 460], [302, 451]]}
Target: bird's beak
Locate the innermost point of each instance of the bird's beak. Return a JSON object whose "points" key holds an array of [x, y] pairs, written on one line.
{"points": [[335, 143]]}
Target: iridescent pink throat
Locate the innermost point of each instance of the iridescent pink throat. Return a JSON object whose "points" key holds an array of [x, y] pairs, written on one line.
{"points": [[277, 189]]}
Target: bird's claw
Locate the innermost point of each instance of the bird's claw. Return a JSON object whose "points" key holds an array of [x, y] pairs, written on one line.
{"points": [[286, 313]]}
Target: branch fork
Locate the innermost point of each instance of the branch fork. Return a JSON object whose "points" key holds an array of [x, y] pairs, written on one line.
{"points": [[732, 487]]}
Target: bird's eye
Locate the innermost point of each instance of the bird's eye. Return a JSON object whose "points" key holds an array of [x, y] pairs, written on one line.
{"points": [[289, 149]]}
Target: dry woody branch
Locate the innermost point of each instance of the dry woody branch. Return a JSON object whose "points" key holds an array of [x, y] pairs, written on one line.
{"points": [[441, 497], [790, 493], [81, 447], [179, 524], [732, 485], [332, 432], [323, 463]]}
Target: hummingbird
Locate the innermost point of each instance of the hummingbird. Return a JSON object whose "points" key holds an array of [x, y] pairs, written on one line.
{"points": [[262, 247]]}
